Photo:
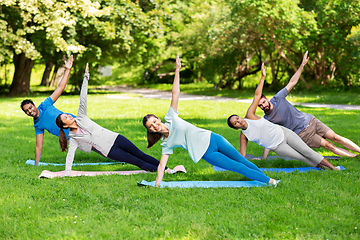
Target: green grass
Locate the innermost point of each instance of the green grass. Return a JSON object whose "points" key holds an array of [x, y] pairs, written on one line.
{"points": [[312, 205]]}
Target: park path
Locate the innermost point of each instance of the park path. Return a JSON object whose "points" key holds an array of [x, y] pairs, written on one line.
{"points": [[157, 94]]}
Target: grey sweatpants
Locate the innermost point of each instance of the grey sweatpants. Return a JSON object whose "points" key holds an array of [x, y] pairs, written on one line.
{"points": [[294, 147]]}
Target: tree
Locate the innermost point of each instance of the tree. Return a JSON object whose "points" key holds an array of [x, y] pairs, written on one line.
{"points": [[29, 23], [334, 54]]}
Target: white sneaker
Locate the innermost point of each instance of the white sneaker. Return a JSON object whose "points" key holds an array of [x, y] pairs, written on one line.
{"points": [[275, 183], [338, 168], [178, 168]]}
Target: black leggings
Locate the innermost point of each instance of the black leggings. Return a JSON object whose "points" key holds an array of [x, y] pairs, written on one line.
{"points": [[125, 151]]}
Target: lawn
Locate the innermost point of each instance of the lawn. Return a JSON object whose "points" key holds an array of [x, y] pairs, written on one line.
{"points": [[312, 205]]}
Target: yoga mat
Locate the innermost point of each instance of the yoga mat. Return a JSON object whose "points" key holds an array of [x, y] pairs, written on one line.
{"points": [[287, 170], [204, 184], [48, 174], [251, 157], [32, 162]]}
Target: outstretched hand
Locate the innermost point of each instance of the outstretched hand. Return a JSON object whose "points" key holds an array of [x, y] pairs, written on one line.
{"points": [[305, 59], [69, 62], [178, 62], [263, 70], [87, 68]]}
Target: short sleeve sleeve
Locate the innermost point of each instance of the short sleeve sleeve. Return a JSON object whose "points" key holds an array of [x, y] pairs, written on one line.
{"points": [[282, 93], [170, 114], [39, 131], [167, 150], [47, 102]]}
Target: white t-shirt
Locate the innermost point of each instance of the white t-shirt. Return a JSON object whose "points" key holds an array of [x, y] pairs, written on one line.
{"points": [[264, 133], [185, 135]]}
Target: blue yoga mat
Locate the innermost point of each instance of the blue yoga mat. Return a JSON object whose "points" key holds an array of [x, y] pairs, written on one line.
{"points": [[251, 157], [287, 170], [32, 162], [205, 184]]}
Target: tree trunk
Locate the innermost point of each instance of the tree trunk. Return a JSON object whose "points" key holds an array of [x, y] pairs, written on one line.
{"points": [[273, 73], [21, 81], [57, 75], [45, 79], [54, 75]]}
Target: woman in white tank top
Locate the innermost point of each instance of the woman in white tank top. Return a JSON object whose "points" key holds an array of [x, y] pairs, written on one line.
{"points": [[273, 137]]}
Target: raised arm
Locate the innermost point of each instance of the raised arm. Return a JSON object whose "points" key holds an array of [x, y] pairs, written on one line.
{"points": [[295, 78], [176, 85], [258, 92], [84, 92], [161, 169], [62, 84]]}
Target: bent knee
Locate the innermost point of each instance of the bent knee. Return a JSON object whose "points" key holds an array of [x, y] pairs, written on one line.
{"points": [[338, 138]]}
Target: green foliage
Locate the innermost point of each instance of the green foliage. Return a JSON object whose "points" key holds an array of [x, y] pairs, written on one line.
{"points": [[98, 32], [226, 41], [335, 55], [221, 42], [125, 31], [114, 207]]}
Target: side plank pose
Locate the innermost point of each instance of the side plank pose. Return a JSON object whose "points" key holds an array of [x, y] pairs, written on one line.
{"points": [[44, 116], [86, 134], [311, 130], [279, 139], [200, 143]]}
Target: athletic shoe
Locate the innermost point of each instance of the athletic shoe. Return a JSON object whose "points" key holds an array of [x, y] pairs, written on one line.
{"points": [[171, 171], [178, 168], [275, 183]]}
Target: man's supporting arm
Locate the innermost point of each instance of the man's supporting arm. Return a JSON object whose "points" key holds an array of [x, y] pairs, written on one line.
{"points": [[38, 147]]}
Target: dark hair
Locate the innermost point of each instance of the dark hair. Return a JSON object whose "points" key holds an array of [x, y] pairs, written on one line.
{"points": [[24, 102], [152, 138], [262, 96], [62, 136], [229, 123]]}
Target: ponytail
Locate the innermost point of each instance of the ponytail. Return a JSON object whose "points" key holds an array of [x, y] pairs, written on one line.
{"points": [[62, 136], [152, 138], [62, 140]]}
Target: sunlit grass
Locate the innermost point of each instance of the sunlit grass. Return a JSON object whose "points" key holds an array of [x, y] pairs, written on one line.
{"points": [[312, 205]]}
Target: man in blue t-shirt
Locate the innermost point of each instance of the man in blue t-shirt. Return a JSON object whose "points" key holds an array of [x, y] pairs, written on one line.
{"points": [[45, 115], [311, 130]]}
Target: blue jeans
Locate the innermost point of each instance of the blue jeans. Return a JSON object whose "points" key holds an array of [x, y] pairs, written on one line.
{"points": [[222, 154]]}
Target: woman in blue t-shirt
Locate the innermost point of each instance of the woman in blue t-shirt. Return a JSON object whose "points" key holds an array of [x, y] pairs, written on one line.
{"points": [[200, 143]]}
